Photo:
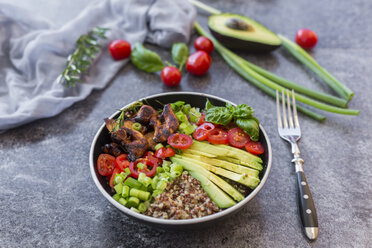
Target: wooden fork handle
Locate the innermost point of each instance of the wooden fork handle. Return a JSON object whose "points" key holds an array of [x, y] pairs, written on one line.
{"points": [[306, 205]]}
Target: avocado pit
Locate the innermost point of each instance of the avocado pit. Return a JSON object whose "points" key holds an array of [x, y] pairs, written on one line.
{"points": [[238, 24]]}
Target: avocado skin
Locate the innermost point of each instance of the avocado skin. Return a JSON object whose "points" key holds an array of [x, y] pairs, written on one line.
{"points": [[243, 45], [224, 34]]}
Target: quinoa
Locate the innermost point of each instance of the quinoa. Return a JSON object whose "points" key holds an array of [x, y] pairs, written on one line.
{"points": [[184, 198]]}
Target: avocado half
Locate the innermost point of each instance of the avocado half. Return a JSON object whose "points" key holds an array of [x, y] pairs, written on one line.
{"points": [[242, 33]]}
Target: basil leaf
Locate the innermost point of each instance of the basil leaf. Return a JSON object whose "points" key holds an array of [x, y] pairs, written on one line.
{"points": [[218, 115], [243, 111], [145, 59], [180, 52], [208, 105], [250, 126]]}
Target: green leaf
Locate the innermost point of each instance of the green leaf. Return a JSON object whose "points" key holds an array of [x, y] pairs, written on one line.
{"points": [[145, 59], [243, 111], [218, 115], [180, 53], [208, 105], [250, 126]]}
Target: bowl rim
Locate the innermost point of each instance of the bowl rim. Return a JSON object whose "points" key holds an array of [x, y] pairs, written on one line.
{"points": [[154, 220]]}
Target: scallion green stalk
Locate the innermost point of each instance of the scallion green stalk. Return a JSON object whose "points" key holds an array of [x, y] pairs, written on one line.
{"points": [[310, 62], [237, 63]]}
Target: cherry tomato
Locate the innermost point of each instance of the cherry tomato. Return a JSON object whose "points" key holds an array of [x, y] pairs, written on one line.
{"points": [[254, 147], [218, 136], [204, 44], [237, 137], [165, 152], [150, 155], [120, 49], [171, 76], [134, 170], [202, 119], [306, 38], [111, 182], [198, 63], [122, 162], [105, 164], [180, 141], [201, 133]]}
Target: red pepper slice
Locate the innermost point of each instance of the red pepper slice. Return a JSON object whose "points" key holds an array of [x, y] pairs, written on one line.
{"points": [[147, 162]]}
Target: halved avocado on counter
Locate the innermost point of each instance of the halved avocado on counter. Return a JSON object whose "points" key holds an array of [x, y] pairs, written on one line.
{"points": [[242, 33]]}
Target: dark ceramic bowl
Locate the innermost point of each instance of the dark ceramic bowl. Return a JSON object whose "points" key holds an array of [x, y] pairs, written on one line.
{"points": [[197, 100]]}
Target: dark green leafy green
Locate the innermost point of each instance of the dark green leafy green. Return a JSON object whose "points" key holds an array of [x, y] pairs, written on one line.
{"points": [[242, 115], [145, 59], [180, 52]]}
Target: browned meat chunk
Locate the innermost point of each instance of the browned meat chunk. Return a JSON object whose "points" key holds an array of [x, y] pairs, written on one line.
{"points": [[110, 124], [150, 140], [132, 141], [113, 149], [146, 115], [168, 126]]}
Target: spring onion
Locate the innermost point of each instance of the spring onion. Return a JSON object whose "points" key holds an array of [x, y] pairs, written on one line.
{"points": [[132, 202], [176, 170], [118, 188], [158, 146], [136, 126], [122, 201], [142, 178], [116, 197], [142, 207], [307, 60], [237, 63], [125, 191], [140, 194]]}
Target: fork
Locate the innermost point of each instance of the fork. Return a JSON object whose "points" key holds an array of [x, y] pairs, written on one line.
{"points": [[291, 132]]}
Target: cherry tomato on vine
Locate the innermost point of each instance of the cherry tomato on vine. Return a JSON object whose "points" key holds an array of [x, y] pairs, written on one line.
{"points": [[254, 147], [306, 38], [204, 44], [198, 63], [218, 136], [171, 76], [180, 141], [237, 137], [106, 164], [120, 49]]}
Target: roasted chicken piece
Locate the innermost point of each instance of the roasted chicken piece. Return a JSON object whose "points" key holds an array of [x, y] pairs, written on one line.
{"points": [[132, 141], [113, 149], [147, 115], [111, 124], [167, 125], [150, 140]]}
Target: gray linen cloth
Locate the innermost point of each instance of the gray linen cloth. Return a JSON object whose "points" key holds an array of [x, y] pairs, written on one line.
{"points": [[33, 52]]}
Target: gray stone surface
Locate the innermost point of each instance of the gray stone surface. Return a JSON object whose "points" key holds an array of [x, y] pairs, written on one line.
{"points": [[48, 198]]}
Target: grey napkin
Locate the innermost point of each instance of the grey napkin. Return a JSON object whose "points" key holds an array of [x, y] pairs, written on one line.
{"points": [[33, 52]]}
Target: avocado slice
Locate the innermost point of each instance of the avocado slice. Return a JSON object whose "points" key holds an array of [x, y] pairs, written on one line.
{"points": [[196, 152], [224, 164], [216, 194], [246, 180], [191, 166], [242, 33], [249, 159]]}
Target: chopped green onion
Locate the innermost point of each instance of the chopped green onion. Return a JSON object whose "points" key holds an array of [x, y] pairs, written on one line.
{"points": [[142, 208], [156, 192], [159, 169], [186, 128], [132, 201], [186, 108], [155, 181], [127, 171], [140, 194], [125, 192], [166, 165], [161, 185], [176, 106], [142, 178], [136, 126], [133, 183], [176, 170], [118, 188], [194, 115], [141, 166], [122, 201], [134, 209], [181, 117], [116, 197], [158, 146], [119, 178]]}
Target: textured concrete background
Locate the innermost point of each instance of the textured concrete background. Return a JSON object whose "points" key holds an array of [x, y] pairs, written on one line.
{"points": [[48, 198]]}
